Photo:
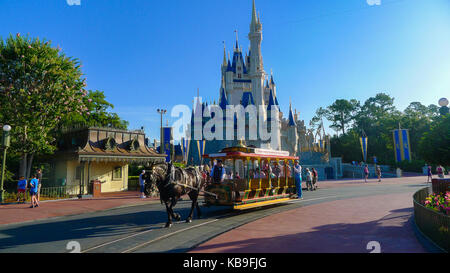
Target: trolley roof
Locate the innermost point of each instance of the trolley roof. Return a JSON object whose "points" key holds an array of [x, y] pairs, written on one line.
{"points": [[248, 152]]}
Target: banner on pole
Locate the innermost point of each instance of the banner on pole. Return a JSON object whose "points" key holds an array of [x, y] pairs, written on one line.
{"points": [[402, 149], [201, 149], [168, 142], [363, 140]]}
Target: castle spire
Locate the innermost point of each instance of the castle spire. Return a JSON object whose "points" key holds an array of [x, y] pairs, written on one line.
{"points": [[254, 17], [237, 43], [291, 115], [224, 55]]}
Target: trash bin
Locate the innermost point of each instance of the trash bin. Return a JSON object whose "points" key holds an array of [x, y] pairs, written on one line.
{"points": [[96, 188]]}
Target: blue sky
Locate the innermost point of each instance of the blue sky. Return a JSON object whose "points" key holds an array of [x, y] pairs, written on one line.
{"points": [[148, 54]]}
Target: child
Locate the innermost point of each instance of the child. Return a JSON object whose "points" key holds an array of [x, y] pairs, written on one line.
{"points": [[308, 180], [21, 188], [379, 173], [34, 186]]}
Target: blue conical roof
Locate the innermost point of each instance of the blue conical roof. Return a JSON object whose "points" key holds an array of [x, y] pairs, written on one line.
{"points": [[229, 67], [247, 99], [291, 117], [223, 99], [271, 101]]}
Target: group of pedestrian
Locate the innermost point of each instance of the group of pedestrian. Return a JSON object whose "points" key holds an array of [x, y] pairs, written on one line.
{"points": [[311, 179], [440, 171], [35, 188], [377, 171]]}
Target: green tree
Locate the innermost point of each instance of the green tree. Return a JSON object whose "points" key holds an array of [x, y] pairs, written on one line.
{"points": [[316, 121], [96, 113], [418, 119], [40, 86], [435, 144], [341, 113]]}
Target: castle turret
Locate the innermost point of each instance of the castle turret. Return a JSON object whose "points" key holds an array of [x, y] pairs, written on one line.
{"points": [[256, 68]]}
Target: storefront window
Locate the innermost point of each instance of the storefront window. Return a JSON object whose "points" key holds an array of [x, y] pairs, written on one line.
{"points": [[117, 173]]}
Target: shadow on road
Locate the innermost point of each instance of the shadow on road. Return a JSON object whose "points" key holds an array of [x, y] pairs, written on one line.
{"points": [[115, 223], [393, 232]]}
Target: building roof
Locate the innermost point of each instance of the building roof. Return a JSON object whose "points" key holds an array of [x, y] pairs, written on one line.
{"points": [[291, 117], [247, 99], [107, 144], [223, 99]]}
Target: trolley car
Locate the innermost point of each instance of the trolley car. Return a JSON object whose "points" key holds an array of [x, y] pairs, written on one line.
{"points": [[260, 177]]}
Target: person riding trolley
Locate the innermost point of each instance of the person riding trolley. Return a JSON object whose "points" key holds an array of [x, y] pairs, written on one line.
{"points": [[218, 173]]}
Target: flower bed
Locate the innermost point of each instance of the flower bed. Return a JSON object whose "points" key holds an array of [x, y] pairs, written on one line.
{"points": [[439, 203], [431, 219]]}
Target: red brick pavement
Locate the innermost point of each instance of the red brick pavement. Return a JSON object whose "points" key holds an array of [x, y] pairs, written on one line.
{"points": [[15, 213], [344, 226]]}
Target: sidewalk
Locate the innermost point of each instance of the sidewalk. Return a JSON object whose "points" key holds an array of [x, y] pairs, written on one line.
{"points": [[344, 226], [16, 213]]}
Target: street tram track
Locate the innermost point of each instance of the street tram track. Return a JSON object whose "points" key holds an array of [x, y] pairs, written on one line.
{"points": [[259, 213]]}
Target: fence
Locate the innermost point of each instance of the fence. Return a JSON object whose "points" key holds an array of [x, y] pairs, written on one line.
{"points": [[352, 171], [47, 193], [433, 224]]}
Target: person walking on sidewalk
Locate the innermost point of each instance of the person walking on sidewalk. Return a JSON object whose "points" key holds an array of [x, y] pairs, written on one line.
{"points": [[308, 180], [366, 173], [430, 175], [298, 179], [314, 178], [34, 186], [440, 171], [39, 178], [379, 173], [22, 189], [142, 184]]}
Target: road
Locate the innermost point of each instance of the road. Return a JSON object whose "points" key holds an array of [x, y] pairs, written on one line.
{"points": [[140, 228]]}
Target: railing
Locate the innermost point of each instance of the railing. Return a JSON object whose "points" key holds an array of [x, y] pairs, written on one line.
{"points": [[48, 193], [433, 224]]}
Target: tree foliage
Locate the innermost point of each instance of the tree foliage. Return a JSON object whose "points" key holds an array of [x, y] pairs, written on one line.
{"points": [[41, 90], [378, 117], [39, 86], [96, 113], [435, 144]]}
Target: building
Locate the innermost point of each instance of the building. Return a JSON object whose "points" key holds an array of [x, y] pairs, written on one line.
{"points": [[244, 81], [88, 154]]}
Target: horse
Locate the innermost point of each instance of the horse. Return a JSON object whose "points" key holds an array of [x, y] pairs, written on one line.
{"points": [[172, 183]]}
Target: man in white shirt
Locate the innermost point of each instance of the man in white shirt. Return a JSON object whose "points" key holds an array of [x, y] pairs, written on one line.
{"points": [[298, 179]]}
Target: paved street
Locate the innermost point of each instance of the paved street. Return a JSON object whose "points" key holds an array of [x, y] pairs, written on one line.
{"points": [[342, 216]]}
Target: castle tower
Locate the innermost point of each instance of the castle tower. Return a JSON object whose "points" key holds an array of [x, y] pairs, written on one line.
{"points": [[256, 67]]}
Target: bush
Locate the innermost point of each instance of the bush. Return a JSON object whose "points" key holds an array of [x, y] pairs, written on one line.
{"points": [[411, 166]]}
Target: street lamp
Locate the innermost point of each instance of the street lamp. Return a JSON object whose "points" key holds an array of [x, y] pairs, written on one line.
{"points": [[161, 112], [5, 144]]}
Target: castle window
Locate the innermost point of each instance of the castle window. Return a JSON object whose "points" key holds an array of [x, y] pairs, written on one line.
{"points": [[239, 76]]}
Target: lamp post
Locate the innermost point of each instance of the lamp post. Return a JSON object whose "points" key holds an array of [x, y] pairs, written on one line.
{"points": [[5, 144], [161, 112]]}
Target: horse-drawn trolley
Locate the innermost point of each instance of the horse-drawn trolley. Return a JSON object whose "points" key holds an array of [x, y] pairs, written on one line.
{"points": [[255, 177]]}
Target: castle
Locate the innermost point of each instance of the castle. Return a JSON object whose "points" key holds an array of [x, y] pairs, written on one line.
{"points": [[245, 82]]}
